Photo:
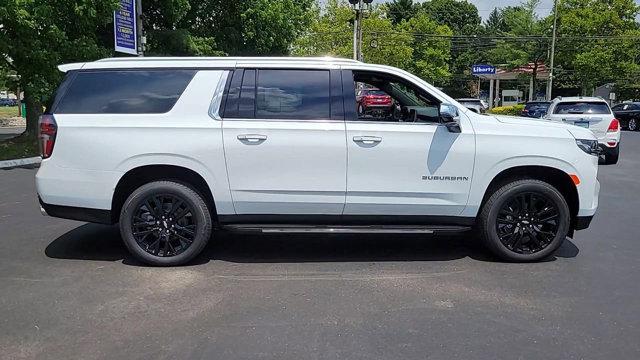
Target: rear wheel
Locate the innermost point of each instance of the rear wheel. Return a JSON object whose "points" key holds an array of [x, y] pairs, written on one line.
{"points": [[165, 223], [633, 125], [525, 220], [611, 155]]}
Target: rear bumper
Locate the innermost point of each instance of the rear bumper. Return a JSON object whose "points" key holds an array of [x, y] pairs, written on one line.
{"points": [[583, 222], [76, 213]]}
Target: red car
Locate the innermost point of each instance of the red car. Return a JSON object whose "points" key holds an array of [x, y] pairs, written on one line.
{"points": [[373, 101]]}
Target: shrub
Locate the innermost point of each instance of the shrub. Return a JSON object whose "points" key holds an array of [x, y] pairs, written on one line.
{"points": [[515, 110]]}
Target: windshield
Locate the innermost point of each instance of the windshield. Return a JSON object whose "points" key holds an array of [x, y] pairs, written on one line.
{"points": [[537, 106], [375, 92], [470, 102], [580, 108]]}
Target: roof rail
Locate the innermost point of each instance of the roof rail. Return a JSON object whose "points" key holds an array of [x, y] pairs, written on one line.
{"points": [[204, 58]]}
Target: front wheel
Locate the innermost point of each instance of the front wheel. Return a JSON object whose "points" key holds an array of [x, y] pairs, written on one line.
{"points": [[165, 223], [524, 220], [633, 125]]}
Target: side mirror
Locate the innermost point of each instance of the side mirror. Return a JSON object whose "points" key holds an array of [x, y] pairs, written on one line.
{"points": [[449, 117]]}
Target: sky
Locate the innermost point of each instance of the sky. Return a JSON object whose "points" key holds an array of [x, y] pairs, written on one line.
{"points": [[486, 6]]}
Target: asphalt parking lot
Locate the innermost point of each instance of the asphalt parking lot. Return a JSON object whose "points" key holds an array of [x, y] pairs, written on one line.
{"points": [[69, 290]]}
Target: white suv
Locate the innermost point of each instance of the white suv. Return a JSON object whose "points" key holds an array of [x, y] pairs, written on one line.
{"points": [[594, 114], [172, 148]]}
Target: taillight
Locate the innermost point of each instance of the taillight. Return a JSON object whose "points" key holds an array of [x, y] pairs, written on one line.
{"points": [[614, 126], [47, 130]]}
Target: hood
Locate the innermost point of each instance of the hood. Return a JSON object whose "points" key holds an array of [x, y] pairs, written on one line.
{"points": [[577, 131]]}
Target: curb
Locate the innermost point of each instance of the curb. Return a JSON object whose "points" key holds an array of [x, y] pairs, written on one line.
{"points": [[7, 164]]}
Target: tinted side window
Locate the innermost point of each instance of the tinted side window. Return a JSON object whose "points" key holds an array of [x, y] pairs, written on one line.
{"points": [[233, 95], [293, 94], [247, 106], [124, 92]]}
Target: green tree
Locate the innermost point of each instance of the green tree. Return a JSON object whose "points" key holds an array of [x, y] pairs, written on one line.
{"points": [[431, 54], [495, 22], [38, 35], [522, 42], [403, 45], [249, 27], [459, 15], [399, 10], [597, 42]]}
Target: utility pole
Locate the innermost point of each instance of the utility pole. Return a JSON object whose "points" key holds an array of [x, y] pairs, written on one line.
{"points": [[358, 8], [356, 26], [141, 40], [360, 32], [553, 50]]}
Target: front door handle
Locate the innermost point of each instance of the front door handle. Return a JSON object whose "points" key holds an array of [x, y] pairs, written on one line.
{"points": [[252, 138], [367, 139]]}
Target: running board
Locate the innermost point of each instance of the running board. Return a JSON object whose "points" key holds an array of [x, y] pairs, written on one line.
{"points": [[346, 229]]}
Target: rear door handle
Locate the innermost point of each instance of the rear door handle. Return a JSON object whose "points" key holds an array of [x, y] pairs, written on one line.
{"points": [[367, 139], [252, 138]]}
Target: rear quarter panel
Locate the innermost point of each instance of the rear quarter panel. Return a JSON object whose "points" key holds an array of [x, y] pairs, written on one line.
{"points": [[92, 152]]}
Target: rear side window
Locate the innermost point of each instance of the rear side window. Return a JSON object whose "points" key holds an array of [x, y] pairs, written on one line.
{"points": [[293, 94], [582, 108], [124, 91]]}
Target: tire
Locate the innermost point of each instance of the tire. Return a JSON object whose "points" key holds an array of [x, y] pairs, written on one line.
{"points": [[514, 240], [172, 223], [361, 109], [632, 125], [611, 156]]}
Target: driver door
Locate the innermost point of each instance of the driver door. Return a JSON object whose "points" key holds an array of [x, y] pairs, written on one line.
{"points": [[398, 167]]}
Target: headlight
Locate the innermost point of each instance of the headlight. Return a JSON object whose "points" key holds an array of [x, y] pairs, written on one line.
{"points": [[591, 147]]}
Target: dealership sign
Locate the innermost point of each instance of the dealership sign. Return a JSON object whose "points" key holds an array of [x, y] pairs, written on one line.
{"points": [[124, 28], [483, 70]]}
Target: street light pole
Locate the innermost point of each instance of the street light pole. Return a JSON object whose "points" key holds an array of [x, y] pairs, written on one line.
{"points": [[553, 50]]}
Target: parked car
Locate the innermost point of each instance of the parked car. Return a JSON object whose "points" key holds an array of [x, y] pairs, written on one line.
{"points": [[373, 102], [171, 148], [536, 109], [8, 102], [474, 105], [628, 114], [592, 113]]}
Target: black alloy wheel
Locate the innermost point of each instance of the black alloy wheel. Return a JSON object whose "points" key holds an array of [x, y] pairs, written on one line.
{"points": [[527, 223], [524, 220], [163, 225]]}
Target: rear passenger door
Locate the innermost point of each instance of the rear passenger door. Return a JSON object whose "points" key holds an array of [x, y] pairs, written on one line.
{"points": [[284, 141]]}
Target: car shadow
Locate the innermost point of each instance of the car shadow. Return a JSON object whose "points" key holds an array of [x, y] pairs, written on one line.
{"points": [[103, 243]]}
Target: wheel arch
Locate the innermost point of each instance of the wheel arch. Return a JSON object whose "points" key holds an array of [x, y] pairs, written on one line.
{"points": [[554, 176], [141, 175]]}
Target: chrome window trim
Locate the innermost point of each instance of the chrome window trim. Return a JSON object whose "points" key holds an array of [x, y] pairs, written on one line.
{"points": [[288, 120], [393, 123], [218, 95]]}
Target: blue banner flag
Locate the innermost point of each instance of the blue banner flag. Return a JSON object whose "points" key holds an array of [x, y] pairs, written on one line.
{"points": [[124, 28]]}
